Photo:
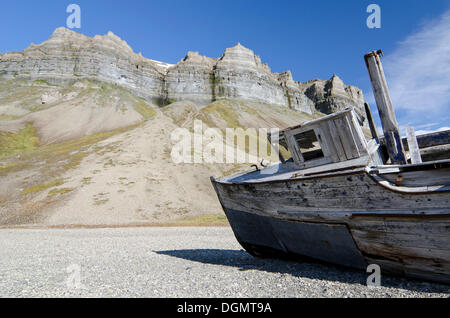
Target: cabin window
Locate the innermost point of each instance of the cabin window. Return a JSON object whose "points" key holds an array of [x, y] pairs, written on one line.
{"points": [[309, 145]]}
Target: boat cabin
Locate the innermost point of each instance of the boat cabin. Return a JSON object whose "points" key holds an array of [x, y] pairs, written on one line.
{"points": [[332, 139]]}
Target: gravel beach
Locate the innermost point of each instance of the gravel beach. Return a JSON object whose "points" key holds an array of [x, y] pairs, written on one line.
{"points": [[171, 262]]}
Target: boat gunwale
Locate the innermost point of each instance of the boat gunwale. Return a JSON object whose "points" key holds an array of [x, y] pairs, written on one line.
{"points": [[355, 170]]}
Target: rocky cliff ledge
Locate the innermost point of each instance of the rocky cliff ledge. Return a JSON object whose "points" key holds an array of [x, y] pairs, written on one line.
{"points": [[237, 74]]}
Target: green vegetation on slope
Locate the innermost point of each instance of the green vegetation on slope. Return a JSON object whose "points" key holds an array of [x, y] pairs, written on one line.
{"points": [[23, 141], [7, 117], [144, 109], [42, 187], [59, 157], [227, 113]]}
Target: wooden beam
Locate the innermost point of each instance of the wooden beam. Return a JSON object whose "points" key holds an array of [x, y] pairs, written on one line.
{"points": [[414, 150], [372, 126], [386, 110], [294, 148]]}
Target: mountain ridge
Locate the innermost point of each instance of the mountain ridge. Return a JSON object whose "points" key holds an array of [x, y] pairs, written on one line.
{"points": [[239, 73]]}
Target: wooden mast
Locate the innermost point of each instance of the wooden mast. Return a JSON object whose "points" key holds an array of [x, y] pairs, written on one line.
{"points": [[386, 110]]}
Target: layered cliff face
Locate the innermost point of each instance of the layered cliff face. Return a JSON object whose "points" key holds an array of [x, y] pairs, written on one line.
{"points": [[69, 56], [191, 79], [333, 95], [238, 74]]}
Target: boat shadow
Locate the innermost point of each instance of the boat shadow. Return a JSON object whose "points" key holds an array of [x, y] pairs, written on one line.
{"points": [[300, 267]]}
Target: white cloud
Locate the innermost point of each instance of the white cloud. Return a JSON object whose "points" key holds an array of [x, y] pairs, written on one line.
{"points": [[418, 71]]}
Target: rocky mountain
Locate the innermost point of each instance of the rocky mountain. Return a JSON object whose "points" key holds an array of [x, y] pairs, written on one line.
{"points": [[86, 127], [238, 74]]}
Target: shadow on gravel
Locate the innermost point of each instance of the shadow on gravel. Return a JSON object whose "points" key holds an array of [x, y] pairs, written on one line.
{"points": [[299, 268]]}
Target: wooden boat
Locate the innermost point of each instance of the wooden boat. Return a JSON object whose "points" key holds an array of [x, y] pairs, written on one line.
{"points": [[348, 200]]}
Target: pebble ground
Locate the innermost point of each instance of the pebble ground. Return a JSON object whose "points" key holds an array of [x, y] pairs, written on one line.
{"points": [[171, 262]]}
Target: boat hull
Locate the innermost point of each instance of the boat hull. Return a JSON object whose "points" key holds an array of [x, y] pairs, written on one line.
{"points": [[326, 242], [347, 219]]}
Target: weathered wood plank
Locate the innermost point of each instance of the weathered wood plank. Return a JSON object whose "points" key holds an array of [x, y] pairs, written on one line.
{"points": [[400, 240], [295, 149], [392, 267], [414, 151], [406, 254], [349, 186], [372, 126], [337, 143], [358, 134], [275, 203], [327, 149], [348, 141], [420, 263], [405, 226], [329, 144], [441, 152]]}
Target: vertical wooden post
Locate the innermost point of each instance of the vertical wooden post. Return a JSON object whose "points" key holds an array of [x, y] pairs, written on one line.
{"points": [[295, 149], [414, 150], [372, 126], [386, 110]]}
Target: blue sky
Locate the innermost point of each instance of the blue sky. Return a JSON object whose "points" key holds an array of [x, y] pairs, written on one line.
{"points": [[313, 39]]}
